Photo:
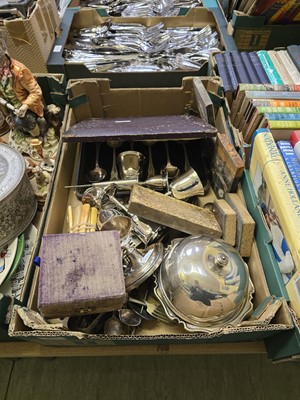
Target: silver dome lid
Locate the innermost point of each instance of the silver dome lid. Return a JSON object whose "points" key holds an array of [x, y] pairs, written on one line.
{"points": [[204, 283]]}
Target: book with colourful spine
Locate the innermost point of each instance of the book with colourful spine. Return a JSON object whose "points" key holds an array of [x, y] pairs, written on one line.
{"points": [[282, 117], [274, 95], [269, 67], [291, 161], [280, 206], [283, 124], [276, 103], [243, 87], [288, 13], [277, 110], [239, 109], [263, 77]]}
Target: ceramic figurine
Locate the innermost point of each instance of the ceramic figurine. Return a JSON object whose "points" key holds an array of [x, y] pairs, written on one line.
{"points": [[21, 96], [21, 101], [41, 185]]}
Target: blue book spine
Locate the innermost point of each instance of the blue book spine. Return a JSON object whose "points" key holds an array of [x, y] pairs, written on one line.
{"points": [[269, 67], [239, 67], [223, 72], [283, 117], [233, 77], [254, 78], [291, 161], [263, 77], [260, 94]]}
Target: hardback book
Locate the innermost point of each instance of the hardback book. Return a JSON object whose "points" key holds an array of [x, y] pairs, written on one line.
{"points": [[289, 66], [280, 68], [251, 121], [248, 7], [258, 117], [252, 71], [254, 119], [278, 110], [203, 101], [257, 87], [291, 161], [282, 116], [288, 13], [231, 70], [281, 130], [239, 67], [276, 103], [269, 67], [280, 208], [224, 73], [259, 67], [294, 52], [242, 6], [276, 11], [258, 94], [284, 124]]}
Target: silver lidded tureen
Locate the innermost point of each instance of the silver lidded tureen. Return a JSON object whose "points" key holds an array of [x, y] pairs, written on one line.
{"points": [[204, 284]]}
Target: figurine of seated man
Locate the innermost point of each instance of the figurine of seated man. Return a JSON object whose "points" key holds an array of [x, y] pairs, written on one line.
{"points": [[21, 96]]}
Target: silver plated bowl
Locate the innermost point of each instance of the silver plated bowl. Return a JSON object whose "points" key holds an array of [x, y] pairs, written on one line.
{"points": [[18, 203], [204, 283]]}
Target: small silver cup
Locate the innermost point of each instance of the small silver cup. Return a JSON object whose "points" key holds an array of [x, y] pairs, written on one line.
{"points": [[187, 185], [111, 219], [130, 164]]}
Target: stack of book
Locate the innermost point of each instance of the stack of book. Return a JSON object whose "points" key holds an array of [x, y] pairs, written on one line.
{"points": [[275, 11], [272, 106], [258, 67]]}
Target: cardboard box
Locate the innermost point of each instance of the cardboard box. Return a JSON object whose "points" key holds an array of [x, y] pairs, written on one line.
{"points": [[151, 331], [251, 33], [87, 17], [30, 40], [285, 346]]}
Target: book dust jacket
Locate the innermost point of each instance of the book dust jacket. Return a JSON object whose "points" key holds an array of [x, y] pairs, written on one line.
{"points": [[280, 207]]}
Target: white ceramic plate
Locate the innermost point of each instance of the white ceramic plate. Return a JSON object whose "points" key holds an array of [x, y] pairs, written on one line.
{"points": [[7, 256]]}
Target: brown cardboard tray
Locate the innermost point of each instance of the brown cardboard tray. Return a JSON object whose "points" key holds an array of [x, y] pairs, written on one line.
{"points": [[154, 332], [87, 17]]}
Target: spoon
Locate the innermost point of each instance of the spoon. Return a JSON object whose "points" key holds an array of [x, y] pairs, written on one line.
{"points": [[151, 169], [113, 326], [172, 170], [97, 174], [114, 175], [129, 317]]}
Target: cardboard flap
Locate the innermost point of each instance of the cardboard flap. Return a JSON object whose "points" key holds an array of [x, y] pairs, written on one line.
{"points": [[197, 16]]}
